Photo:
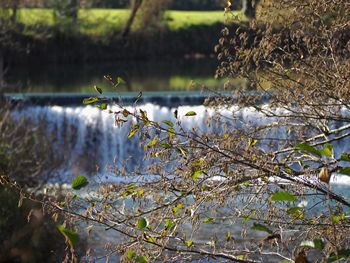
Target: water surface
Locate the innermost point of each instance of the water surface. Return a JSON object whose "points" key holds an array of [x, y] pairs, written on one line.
{"points": [[146, 76]]}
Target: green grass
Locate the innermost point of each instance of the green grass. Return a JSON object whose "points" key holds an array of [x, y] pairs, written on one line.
{"points": [[35, 16], [101, 22], [183, 19]]}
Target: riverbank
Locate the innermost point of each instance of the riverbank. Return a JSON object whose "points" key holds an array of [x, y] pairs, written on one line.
{"points": [[96, 37], [62, 47]]}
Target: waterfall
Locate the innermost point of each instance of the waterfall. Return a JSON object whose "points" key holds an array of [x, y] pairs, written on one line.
{"points": [[88, 139], [90, 143]]}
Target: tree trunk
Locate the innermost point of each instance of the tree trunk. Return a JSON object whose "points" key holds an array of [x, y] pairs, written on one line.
{"points": [[249, 8], [2, 72], [135, 6], [73, 10], [15, 4]]}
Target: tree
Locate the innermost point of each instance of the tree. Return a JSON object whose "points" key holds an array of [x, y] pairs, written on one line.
{"points": [[151, 14], [12, 6], [65, 12], [262, 171], [148, 14], [249, 8], [2, 71], [134, 7], [258, 177]]}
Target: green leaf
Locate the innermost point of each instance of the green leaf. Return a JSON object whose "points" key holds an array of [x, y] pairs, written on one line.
{"points": [[129, 191], [71, 236], [283, 196], [104, 106], [228, 236], [143, 114], [252, 142], [177, 207], [171, 132], [337, 219], [141, 223], [120, 81], [208, 220], [297, 212], [189, 243], [149, 238], [79, 182], [308, 149], [131, 254], [140, 192], [260, 227], [190, 113], [166, 145], [342, 254], [141, 259], [169, 224], [345, 170], [327, 150], [319, 244], [345, 157], [180, 206], [169, 123], [174, 210], [198, 163], [153, 142], [99, 90], [90, 100], [196, 174], [134, 129], [245, 218]]}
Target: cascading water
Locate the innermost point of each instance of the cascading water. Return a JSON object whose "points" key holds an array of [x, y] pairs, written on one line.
{"points": [[90, 143], [89, 140]]}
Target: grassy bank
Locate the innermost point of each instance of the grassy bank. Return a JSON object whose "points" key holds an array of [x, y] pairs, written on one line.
{"points": [[102, 22], [96, 36]]}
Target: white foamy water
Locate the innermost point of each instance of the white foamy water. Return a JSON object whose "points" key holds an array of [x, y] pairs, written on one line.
{"points": [[89, 141]]}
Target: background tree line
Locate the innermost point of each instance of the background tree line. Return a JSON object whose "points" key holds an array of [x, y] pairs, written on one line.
{"points": [[175, 5]]}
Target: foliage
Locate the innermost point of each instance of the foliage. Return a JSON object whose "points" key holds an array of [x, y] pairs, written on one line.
{"points": [[65, 12], [24, 148], [26, 232], [25, 228], [8, 10], [26, 225], [258, 179]]}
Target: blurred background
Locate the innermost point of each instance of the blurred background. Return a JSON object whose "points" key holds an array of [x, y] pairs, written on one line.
{"points": [[68, 45], [57, 48]]}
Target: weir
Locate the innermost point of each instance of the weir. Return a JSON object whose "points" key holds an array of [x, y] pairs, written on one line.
{"points": [[169, 99], [88, 141]]}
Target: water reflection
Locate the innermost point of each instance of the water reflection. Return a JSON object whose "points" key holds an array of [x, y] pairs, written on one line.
{"points": [[165, 75]]}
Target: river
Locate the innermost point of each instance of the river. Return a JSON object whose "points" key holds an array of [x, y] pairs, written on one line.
{"points": [[89, 141]]}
